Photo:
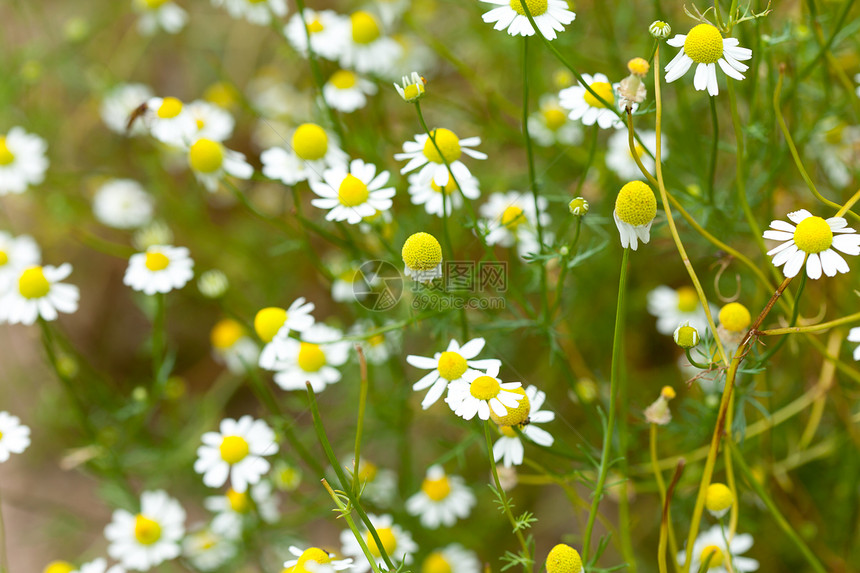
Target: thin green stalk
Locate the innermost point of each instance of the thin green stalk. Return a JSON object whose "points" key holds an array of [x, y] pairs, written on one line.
{"points": [[159, 378], [795, 313], [347, 515], [362, 403], [694, 362], [812, 327], [667, 518]]}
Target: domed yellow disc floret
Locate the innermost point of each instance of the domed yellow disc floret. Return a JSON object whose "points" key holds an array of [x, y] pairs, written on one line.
{"points": [[512, 217], [147, 531], [813, 235], [638, 66], [269, 321], [636, 204], [485, 388], [536, 7], [735, 317], [33, 284], [239, 502], [6, 156], [668, 392], [704, 44], [226, 333], [448, 143], [314, 554], [688, 300], [59, 567], [206, 156], [604, 90], [422, 252], [311, 357], [436, 563], [310, 142], [516, 415], [715, 554], [352, 191], [156, 261], [718, 497], [436, 489], [563, 559], [343, 79], [365, 29], [170, 107], [386, 536], [451, 365], [234, 449], [554, 118]]}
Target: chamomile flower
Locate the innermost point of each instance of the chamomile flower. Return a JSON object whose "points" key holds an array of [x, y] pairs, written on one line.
{"points": [[258, 12], [169, 121], [479, 393], [232, 346], [315, 560], [211, 121], [155, 14], [232, 508], [38, 292], [812, 241], [711, 543], [509, 449], [207, 550], [452, 558], [365, 48], [635, 209], [443, 499], [22, 160], [422, 257], [563, 558], [583, 106], [16, 254], [237, 451], [620, 159], [396, 542], [380, 484], [422, 153], [658, 411], [99, 566], [411, 88], [274, 324], [314, 359], [14, 436], [354, 193], [162, 268], [123, 204], [449, 366], [211, 161], [118, 105], [551, 16], [312, 151], [144, 540], [429, 194], [673, 307], [324, 28], [706, 47], [346, 91], [550, 124], [718, 499], [854, 336], [511, 220]]}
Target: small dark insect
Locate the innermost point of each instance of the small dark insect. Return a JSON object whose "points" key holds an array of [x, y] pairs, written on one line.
{"points": [[136, 113]]}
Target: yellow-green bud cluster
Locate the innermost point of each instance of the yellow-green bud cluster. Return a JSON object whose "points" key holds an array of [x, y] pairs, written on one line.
{"points": [[660, 30], [578, 206]]}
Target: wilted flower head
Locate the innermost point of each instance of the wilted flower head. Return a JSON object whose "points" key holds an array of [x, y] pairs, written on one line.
{"points": [[658, 412]]}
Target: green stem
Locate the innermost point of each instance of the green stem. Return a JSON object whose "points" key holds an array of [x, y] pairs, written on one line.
{"points": [[159, 377], [362, 403], [695, 363], [773, 350], [813, 327], [347, 515]]}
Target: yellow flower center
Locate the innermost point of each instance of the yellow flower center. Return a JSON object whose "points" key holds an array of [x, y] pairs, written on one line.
{"points": [[367, 471], [688, 300], [451, 365], [315, 26], [668, 392], [447, 142], [206, 156], [704, 44], [153, 4], [310, 142], [59, 567], [422, 252], [343, 79], [813, 235], [436, 489], [563, 559], [226, 333], [718, 497], [536, 7], [447, 189], [4, 258], [234, 449], [156, 261], [147, 531], [352, 191], [239, 502], [508, 431], [604, 90], [386, 536], [200, 123], [513, 217], [554, 118], [735, 317], [516, 415], [311, 357], [638, 66], [33, 284], [269, 321], [485, 388], [365, 29], [170, 107], [712, 551], [413, 91], [436, 563], [314, 554], [636, 204], [6, 156]]}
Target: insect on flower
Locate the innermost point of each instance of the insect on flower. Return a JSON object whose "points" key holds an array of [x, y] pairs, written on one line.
{"points": [[135, 114]]}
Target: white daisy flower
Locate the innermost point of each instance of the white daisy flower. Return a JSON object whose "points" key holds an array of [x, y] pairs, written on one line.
{"points": [[397, 543], [14, 436], [452, 558], [479, 393], [508, 449], [324, 28], [16, 254], [274, 325], [429, 194], [706, 47], [550, 124], [635, 209], [118, 105], [211, 161], [449, 366], [162, 268], [22, 161], [232, 346], [232, 508], [99, 566], [211, 121], [511, 220], [354, 193], [236, 451], [39, 293], [315, 560], [207, 549], [583, 106], [169, 121], [673, 307], [712, 543], [347, 91], [620, 160], [411, 88], [422, 153], [551, 16], [314, 359], [258, 12], [312, 150], [155, 14], [364, 47], [142, 541], [811, 242], [443, 499], [854, 336], [123, 204]]}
